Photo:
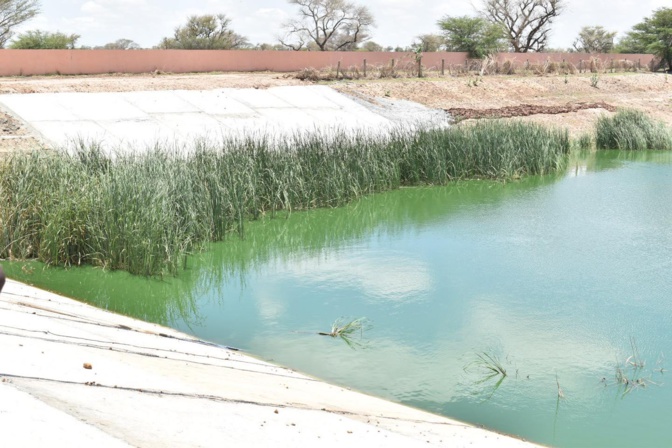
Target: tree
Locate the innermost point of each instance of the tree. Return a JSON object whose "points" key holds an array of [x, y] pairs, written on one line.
{"points": [[331, 25], [120, 44], [45, 40], [594, 39], [13, 13], [474, 35], [653, 35], [206, 32], [428, 43], [527, 23], [371, 46]]}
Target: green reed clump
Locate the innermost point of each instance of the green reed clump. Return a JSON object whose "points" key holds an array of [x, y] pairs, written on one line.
{"points": [[632, 130], [146, 212]]}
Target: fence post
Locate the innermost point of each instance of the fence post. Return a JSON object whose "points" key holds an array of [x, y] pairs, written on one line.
{"points": [[338, 69], [580, 65], [443, 67], [527, 64], [392, 65], [365, 67], [419, 66]]}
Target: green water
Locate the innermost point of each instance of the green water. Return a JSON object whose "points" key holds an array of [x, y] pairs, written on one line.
{"points": [[555, 277]]}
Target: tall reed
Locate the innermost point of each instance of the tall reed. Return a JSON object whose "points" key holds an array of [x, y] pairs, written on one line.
{"points": [[146, 212], [632, 130]]}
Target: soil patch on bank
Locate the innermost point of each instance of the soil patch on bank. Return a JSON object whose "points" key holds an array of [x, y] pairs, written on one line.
{"points": [[524, 110]]}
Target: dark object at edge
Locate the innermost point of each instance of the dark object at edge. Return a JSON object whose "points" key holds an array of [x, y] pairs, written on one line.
{"points": [[2, 279]]}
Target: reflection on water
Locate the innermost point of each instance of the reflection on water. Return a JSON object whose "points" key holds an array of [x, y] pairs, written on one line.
{"points": [[551, 277]]}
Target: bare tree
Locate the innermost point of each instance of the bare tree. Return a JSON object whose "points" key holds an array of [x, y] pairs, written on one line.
{"points": [[13, 13], [527, 22], [327, 24]]}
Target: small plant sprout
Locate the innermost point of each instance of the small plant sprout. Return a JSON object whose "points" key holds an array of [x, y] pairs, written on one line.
{"points": [[487, 366], [594, 80], [629, 374], [561, 394], [351, 331]]}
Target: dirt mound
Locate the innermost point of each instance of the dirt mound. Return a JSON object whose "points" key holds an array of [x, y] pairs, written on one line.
{"points": [[524, 110]]}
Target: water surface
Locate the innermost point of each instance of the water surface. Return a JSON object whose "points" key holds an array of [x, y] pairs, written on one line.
{"points": [[563, 280]]}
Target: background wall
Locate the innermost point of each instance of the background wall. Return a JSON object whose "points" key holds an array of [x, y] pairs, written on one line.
{"points": [[78, 62]]}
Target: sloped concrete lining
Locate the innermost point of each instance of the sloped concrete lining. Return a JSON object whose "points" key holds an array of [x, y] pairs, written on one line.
{"points": [[137, 120], [74, 375]]}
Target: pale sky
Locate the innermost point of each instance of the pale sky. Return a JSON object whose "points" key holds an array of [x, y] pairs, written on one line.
{"points": [[398, 21]]}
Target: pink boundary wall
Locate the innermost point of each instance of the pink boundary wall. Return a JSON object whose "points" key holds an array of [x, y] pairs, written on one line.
{"points": [[91, 62]]}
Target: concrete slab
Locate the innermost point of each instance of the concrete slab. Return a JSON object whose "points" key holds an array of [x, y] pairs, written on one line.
{"points": [[133, 121], [100, 106], [38, 107], [215, 102], [313, 98], [158, 102], [256, 99], [86, 377]]}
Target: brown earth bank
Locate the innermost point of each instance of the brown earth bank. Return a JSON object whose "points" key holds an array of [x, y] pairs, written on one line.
{"points": [[573, 101]]}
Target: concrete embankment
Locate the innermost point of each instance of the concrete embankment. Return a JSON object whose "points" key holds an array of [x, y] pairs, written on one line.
{"points": [[74, 375]]}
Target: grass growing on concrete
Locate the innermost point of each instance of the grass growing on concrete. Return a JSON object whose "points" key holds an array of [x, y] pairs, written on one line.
{"points": [[146, 212], [632, 130]]}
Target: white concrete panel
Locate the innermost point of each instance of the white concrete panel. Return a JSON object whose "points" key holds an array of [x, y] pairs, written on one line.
{"points": [[39, 107], [215, 102], [159, 102], [257, 98], [306, 98], [63, 133], [100, 106], [143, 134], [340, 100]]}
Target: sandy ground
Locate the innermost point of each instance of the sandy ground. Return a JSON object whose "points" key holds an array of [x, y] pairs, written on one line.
{"points": [[648, 92]]}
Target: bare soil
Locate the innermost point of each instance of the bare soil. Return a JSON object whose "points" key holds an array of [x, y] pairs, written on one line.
{"points": [[555, 100]]}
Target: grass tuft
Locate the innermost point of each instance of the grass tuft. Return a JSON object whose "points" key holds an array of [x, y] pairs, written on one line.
{"points": [[632, 130]]}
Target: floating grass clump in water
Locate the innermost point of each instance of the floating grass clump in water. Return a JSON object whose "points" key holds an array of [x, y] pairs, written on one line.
{"points": [[348, 330], [632, 130], [146, 212]]}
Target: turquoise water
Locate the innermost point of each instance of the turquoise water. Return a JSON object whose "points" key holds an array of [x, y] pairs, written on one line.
{"points": [[564, 281]]}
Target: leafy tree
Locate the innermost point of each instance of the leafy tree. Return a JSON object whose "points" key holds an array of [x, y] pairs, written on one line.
{"points": [[630, 45], [331, 25], [527, 23], [13, 13], [371, 46], [44, 40], [269, 47], [120, 44], [594, 39], [206, 32], [474, 35], [653, 35], [428, 43]]}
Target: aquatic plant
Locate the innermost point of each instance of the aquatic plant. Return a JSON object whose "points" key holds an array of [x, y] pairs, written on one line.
{"points": [[348, 330], [632, 130], [488, 368], [629, 375], [146, 212]]}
